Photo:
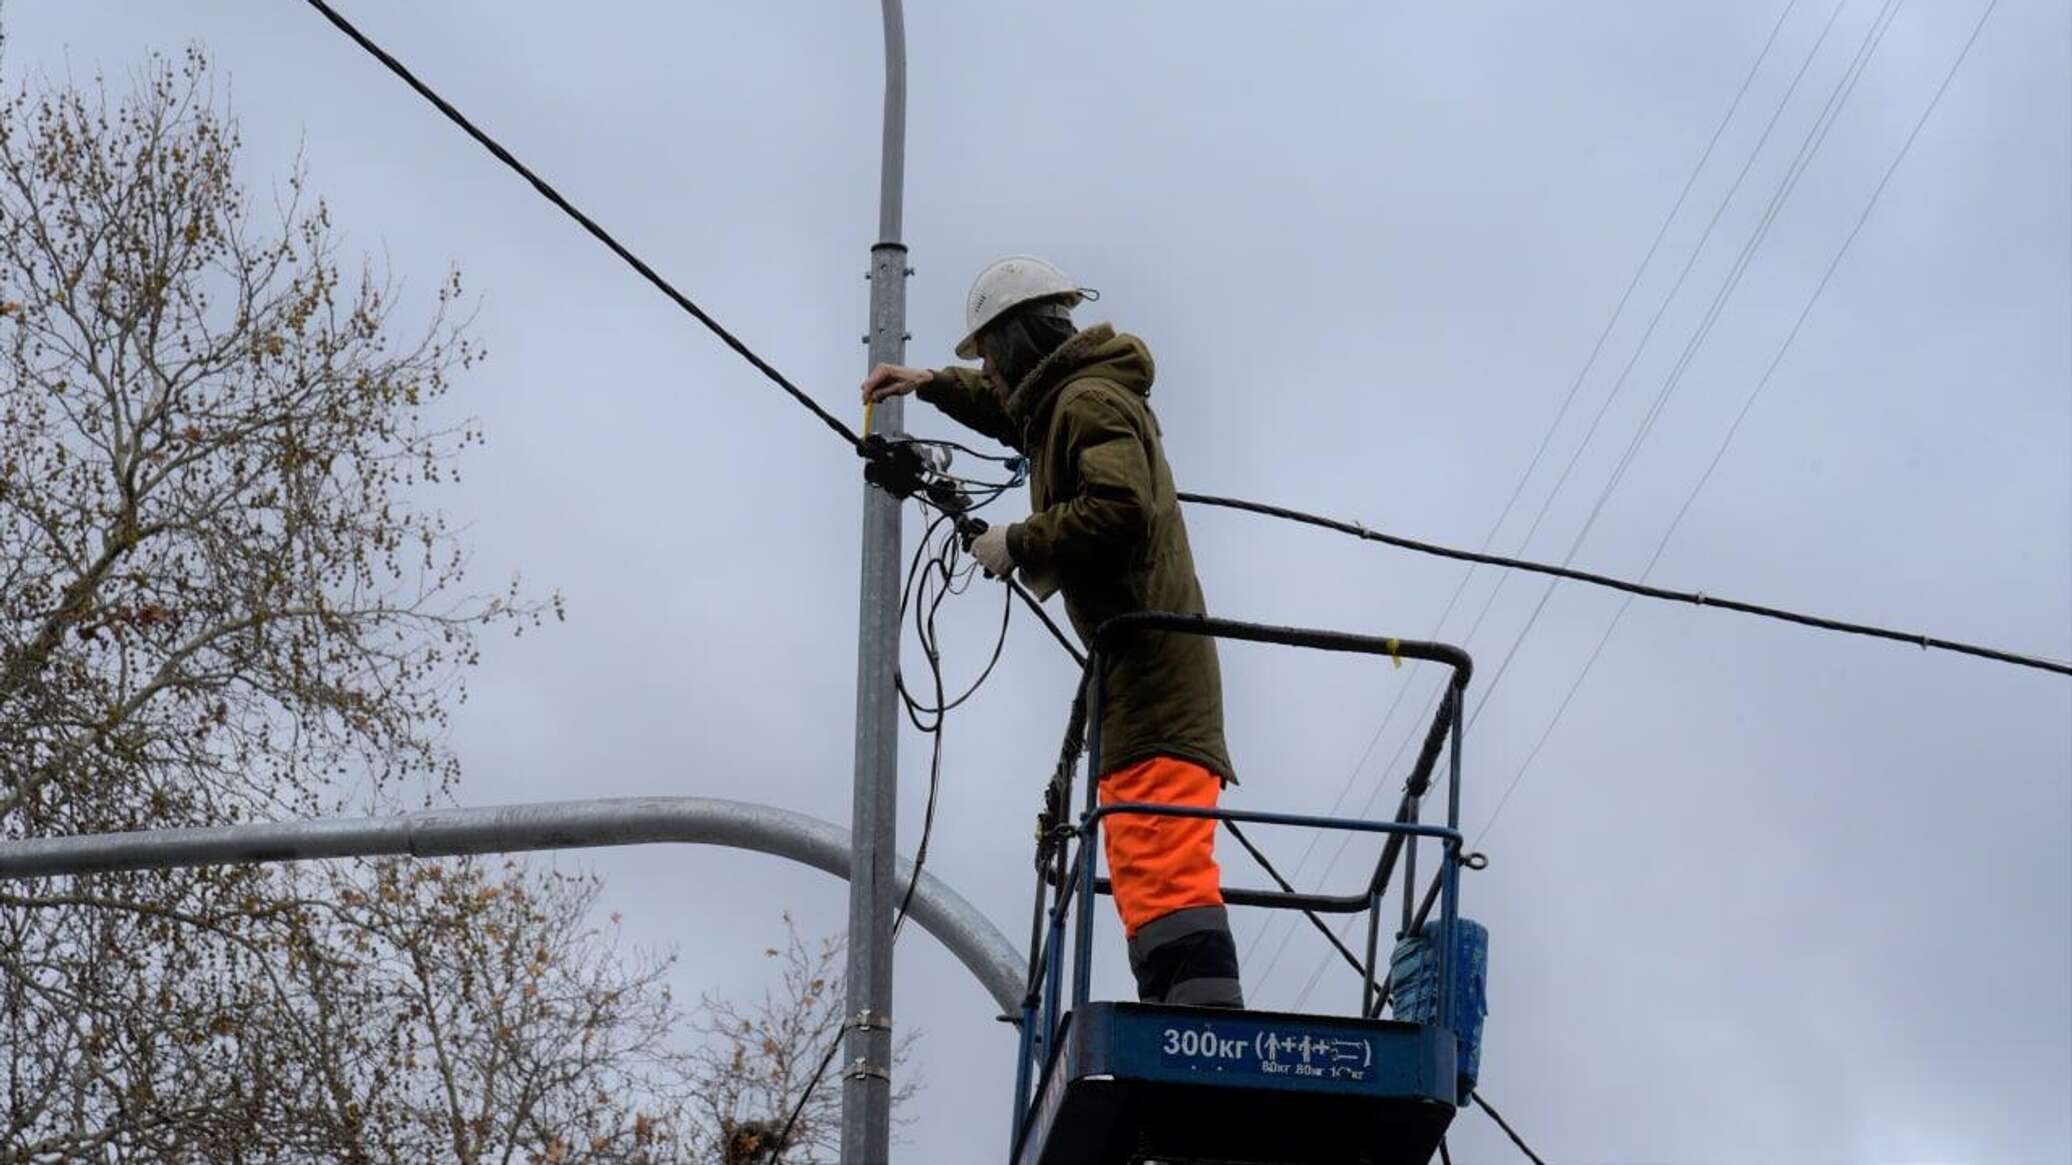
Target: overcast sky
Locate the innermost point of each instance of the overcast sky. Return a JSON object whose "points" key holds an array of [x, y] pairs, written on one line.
{"points": [[1765, 894]]}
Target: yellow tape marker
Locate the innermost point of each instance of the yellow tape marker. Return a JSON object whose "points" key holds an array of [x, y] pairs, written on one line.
{"points": [[1396, 652], [868, 408]]}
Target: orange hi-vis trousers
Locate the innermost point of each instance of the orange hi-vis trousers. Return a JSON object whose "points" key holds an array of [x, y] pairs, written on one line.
{"points": [[1158, 865]]}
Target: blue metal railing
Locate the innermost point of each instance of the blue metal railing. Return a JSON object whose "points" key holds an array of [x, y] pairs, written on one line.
{"points": [[1072, 881]]}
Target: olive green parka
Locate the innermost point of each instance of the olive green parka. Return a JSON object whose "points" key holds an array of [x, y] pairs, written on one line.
{"points": [[1106, 524]]}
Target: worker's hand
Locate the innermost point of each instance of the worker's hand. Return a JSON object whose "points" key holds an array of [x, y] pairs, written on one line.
{"points": [[889, 380], [990, 548]]}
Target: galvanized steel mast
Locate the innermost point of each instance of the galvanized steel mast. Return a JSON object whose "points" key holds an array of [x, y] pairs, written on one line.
{"points": [[873, 884]]}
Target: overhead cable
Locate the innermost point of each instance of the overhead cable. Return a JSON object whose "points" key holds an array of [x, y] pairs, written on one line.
{"points": [[1344, 951], [1546, 439], [1506, 1126], [1696, 598], [1735, 428], [849, 435], [1816, 134], [1689, 352], [585, 221], [827, 1058]]}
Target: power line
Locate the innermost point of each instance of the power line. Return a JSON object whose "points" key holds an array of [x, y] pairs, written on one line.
{"points": [[1816, 135], [1546, 439], [1505, 1125], [1735, 428], [836, 424], [1697, 598], [1662, 311], [1351, 959], [585, 221], [784, 1137]]}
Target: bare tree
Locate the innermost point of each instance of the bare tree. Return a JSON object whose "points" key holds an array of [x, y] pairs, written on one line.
{"points": [[221, 598], [761, 1080]]}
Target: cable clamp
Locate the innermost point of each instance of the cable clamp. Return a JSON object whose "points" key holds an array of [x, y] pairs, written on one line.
{"points": [[893, 466], [1698, 597], [864, 1070], [870, 1021]]}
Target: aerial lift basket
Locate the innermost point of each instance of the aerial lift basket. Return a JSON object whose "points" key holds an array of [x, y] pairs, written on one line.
{"points": [[1117, 1083]]}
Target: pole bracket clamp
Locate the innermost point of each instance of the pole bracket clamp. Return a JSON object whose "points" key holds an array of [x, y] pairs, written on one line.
{"points": [[870, 1021], [865, 1070]]}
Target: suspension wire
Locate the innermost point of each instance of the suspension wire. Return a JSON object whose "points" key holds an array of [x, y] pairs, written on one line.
{"points": [[1505, 1125], [1735, 428], [1546, 439], [1816, 136], [585, 221], [1056, 632], [849, 435], [1351, 959], [1697, 598], [1689, 351], [1316, 973], [784, 1137]]}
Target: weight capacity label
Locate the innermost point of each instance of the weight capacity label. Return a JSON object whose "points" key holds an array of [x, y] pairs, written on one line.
{"points": [[1265, 1051]]}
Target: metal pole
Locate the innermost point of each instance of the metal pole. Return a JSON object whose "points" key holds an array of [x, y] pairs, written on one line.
{"points": [[867, 1056]]}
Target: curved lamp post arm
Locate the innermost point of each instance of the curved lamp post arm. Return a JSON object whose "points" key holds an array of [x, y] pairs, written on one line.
{"points": [[939, 910]]}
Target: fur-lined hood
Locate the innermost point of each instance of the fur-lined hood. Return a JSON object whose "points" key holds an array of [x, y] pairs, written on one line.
{"points": [[1099, 351]]}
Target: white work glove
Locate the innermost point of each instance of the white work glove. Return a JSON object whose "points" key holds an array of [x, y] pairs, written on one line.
{"points": [[990, 548]]}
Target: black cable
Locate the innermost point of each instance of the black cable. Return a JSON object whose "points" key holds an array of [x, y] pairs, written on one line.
{"points": [[1815, 136], [1698, 598], [1734, 428], [784, 1137], [585, 221], [906, 900], [940, 443], [1445, 1158], [925, 604], [1809, 146], [1546, 440], [1030, 601], [849, 435], [942, 565], [1501, 1123], [1351, 959]]}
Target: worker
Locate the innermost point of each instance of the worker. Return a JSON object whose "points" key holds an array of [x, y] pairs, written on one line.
{"points": [[1106, 528]]}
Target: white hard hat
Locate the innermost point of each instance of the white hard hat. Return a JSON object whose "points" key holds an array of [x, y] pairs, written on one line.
{"points": [[1008, 283]]}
